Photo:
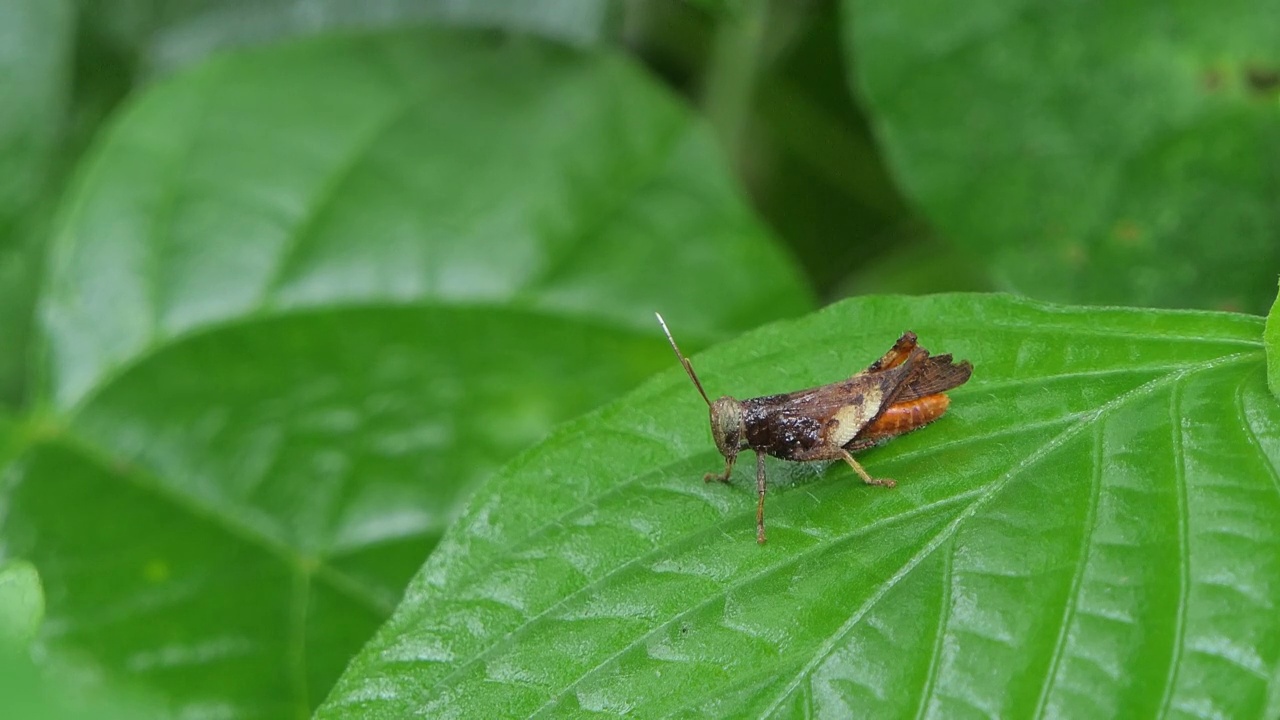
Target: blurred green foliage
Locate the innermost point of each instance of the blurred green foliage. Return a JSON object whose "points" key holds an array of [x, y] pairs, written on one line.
{"points": [[21, 602], [283, 281]]}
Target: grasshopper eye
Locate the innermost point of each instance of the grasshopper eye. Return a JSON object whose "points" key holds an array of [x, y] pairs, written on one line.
{"points": [[726, 425]]}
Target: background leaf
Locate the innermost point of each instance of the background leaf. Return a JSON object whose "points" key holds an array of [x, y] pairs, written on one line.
{"points": [[302, 298], [29, 693], [66, 65], [770, 76], [35, 57], [21, 602], [1097, 519], [162, 36], [1099, 153], [9, 439]]}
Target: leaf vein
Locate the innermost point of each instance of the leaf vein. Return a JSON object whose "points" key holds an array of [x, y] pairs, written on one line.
{"points": [[935, 657], [1251, 435], [1077, 578], [299, 598], [767, 572], [328, 194], [1180, 493], [144, 480]]}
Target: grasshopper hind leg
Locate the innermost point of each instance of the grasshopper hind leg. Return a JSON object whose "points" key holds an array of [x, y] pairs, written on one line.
{"points": [[839, 453], [862, 473]]}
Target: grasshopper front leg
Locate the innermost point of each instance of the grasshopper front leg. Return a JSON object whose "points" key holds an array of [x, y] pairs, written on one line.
{"points": [[722, 477]]}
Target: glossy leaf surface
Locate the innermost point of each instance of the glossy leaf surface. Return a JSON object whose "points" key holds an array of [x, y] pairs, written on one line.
{"points": [[1093, 530]]}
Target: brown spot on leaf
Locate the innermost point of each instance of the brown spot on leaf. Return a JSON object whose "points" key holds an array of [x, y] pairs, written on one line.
{"points": [[1075, 255], [1262, 80], [1127, 232], [1212, 80]]}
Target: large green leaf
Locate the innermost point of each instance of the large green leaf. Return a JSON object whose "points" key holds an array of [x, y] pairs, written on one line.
{"points": [[35, 54], [1099, 152], [302, 298], [1092, 531], [34, 78]]}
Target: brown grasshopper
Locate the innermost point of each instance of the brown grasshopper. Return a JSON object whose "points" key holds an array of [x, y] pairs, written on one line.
{"points": [[900, 392]]}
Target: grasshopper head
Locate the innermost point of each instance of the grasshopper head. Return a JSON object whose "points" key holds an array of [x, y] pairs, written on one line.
{"points": [[726, 425], [726, 413]]}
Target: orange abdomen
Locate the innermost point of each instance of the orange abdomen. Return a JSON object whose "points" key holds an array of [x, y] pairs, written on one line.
{"points": [[904, 417]]}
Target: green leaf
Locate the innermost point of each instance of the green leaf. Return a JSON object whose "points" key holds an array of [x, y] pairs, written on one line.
{"points": [[162, 36], [1093, 530], [1271, 338], [35, 38], [35, 58], [31, 693], [916, 266], [1097, 152], [10, 440], [21, 602], [721, 8], [303, 298]]}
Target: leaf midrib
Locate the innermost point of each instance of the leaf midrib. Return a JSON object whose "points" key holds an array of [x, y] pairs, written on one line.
{"points": [[142, 479], [1177, 442]]}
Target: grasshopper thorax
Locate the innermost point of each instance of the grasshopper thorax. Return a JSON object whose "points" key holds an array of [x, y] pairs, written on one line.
{"points": [[726, 425]]}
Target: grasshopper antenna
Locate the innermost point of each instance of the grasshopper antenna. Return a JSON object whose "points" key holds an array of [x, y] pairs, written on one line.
{"points": [[688, 367]]}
